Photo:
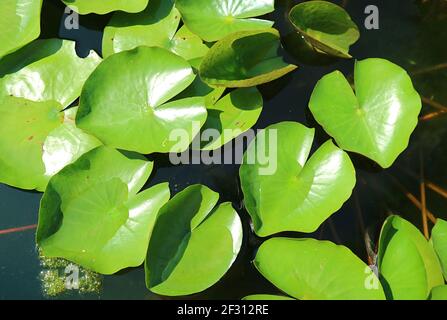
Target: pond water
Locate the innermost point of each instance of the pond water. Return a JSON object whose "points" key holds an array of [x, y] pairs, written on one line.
{"points": [[411, 33]]}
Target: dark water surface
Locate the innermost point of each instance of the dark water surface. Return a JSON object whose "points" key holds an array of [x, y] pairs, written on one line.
{"points": [[411, 34]]}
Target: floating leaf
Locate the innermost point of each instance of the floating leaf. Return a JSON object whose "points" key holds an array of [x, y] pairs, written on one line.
{"points": [[439, 293], [378, 120], [408, 265], [106, 6], [46, 70], [92, 215], [268, 297], [308, 269], [245, 59], [286, 191], [36, 141], [439, 241], [20, 24], [326, 26], [213, 20], [193, 243], [125, 101]]}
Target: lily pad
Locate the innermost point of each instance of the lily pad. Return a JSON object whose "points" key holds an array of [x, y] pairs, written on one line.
{"points": [[213, 20], [326, 26], [36, 141], [231, 116], [269, 297], [308, 269], [20, 24], [92, 215], [378, 119], [103, 7], [292, 192], [408, 265], [439, 293], [439, 241], [245, 59], [193, 243], [125, 101], [46, 70]]}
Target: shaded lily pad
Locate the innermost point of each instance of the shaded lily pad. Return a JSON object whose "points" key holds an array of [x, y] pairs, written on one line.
{"points": [[439, 241], [439, 293], [268, 297], [378, 119], [193, 243], [213, 20], [326, 26], [36, 141], [408, 265], [308, 269], [292, 192], [106, 6], [46, 70], [125, 101], [92, 215], [20, 24], [245, 59]]}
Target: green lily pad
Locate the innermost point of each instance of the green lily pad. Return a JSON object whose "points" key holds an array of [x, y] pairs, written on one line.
{"points": [[125, 101], [92, 215], [269, 297], [408, 265], [231, 116], [20, 24], [326, 26], [439, 241], [36, 141], [308, 269], [193, 243], [378, 119], [46, 70], [245, 59], [213, 20], [292, 192], [105, 6], [439, 293]]}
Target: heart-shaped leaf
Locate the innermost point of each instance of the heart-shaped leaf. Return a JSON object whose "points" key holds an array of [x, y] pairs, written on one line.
{"points": [[36, 141], [269, 297], [308, 269], [245, 59], [213, 20], [20, 24], [106, 6], [46, 70], [193, 243], [124, 102], [326, 26], [284, 193], [378, 119], [439, 241], [439, 293], [92, 215], [408, 265]]}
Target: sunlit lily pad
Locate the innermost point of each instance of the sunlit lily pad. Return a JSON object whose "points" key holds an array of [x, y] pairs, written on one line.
{"points": [[375, 121], [92, 215], [46, 70], [408, 265], [125, 101], [36, 141], [106, 6], [213, 20], [292, 192], [326, 26], [268, 297], [439, 293], [308, 269], [439, 241], [245, 59], [193, 243], [19, 25]]}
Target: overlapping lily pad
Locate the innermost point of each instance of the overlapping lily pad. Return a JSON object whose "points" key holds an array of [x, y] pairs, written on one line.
{"points": [[213, 20], [408, 265], [375, 121], [36, 141], [125, 101], [193, 243], [93, 215], [20, 24], [308, 269], [439, 293], [439, 241], [106, 6], [326, 26], [245, 59], [46, 70], [286, 191]]}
